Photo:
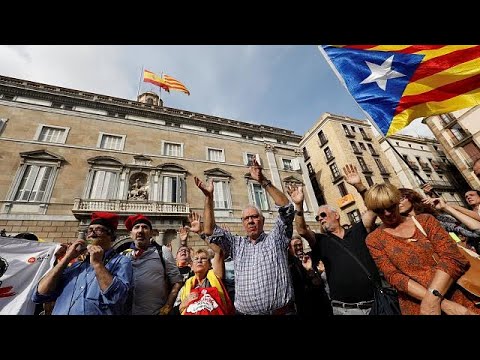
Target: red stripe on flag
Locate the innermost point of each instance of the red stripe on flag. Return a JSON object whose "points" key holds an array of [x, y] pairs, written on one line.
{"points": [[416, 48], [443, 62], [360, 47], [440, 94]]}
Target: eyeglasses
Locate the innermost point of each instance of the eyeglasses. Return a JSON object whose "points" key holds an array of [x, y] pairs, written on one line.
{"points": [[201, 259], [97, 231], [322, 215], [403, 198], [254, 217], [381, 211]]}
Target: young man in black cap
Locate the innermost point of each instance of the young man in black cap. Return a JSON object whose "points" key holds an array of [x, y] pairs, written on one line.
{"points": [[99, 285], [152, 294]]}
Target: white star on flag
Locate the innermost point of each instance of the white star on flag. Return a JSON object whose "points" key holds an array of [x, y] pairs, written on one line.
{"points": [[381, 73]]}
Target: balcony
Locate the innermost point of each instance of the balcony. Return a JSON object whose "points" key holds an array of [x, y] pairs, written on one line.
{"points": [[336, 178], [323, 141], [365, 136], [425, 167], [413, 165], [441, 185], [384, 172], [86, 206], [366, 170], [329, 158], [349, 134]]}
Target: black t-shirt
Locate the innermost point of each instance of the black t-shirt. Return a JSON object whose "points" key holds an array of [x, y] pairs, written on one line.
{"points": [[346, 279]]}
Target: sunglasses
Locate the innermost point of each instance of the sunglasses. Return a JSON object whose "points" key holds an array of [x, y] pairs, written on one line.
{"points": [[381, 211], [322, 215]]}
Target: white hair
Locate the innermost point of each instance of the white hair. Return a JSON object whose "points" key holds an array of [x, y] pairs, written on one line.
{"points": [[329, 207], [251, 206]]}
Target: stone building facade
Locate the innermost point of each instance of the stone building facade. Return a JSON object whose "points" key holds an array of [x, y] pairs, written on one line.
{"points": [[328, 146], [459, 134], [430, 163], [66, 153]]}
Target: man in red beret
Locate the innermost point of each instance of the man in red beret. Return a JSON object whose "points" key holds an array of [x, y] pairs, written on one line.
{"points": [[152, 294], [100, 284]]}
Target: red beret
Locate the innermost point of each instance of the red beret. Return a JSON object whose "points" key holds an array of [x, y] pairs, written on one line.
{"points": [[109, 220], [133, 220]]}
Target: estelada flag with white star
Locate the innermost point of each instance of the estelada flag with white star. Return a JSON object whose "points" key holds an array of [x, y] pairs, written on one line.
{"points": [[396, 84]]}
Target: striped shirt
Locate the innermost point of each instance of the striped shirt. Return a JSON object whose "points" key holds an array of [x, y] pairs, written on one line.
{"points": [[262, 278]]}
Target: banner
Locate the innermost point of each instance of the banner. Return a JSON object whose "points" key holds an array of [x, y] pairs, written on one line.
{"points": [[22, 265]]}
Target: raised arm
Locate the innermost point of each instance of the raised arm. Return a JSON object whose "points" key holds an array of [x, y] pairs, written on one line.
{"points": [[297, 196], [465, 219], [278, 196], [353, 178], [49, 282], [208, 214], [218, 263], [471, 213]]}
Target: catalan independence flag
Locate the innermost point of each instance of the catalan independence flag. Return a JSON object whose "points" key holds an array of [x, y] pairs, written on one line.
{"points": [[396, 84], [174, 84], [154, 79]]}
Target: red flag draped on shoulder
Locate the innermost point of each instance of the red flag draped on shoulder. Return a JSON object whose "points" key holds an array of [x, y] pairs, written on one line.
{"points": [[154, 79], [174, 84]]}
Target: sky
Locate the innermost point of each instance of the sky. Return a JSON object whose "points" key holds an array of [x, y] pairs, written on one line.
{"points": [[286, 86]]}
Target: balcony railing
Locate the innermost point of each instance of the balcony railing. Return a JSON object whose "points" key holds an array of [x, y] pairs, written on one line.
{"points": [[124, 206]]}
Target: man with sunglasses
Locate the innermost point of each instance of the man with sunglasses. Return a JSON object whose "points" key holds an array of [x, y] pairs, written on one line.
{"points": [[98, 285], [350, 289], [263, 285]]}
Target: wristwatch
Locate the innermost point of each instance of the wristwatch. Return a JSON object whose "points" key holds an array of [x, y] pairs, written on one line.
{"points": [[436, 293]]}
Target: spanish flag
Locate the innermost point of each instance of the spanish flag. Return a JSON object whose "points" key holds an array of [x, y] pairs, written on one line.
{"points": [[154, 79], [174, 84], [396, 84]]}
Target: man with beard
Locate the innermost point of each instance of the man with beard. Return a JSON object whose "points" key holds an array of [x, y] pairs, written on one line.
{"points": [[152, 294], [98, 285], [310, 295], [350, 289], [263, 284]]}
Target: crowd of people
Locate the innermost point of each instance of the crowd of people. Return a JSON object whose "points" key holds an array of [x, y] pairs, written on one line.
{"points": [[404, 239]]}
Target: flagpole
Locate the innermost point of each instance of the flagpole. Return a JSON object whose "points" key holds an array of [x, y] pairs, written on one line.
{"points": [[160, 88], [140, 82], [373, 123]]}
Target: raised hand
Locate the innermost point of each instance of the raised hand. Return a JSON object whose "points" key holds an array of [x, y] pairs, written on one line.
{"points": [[296, 193], [437, 203], [427, 188], [206, 189], [183, 232], [307, 262], [195, 222], [351, 175], [256, 171]]}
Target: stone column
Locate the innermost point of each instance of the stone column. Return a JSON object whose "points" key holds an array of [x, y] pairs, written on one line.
{"points": [[308, 188], [272, 164]]}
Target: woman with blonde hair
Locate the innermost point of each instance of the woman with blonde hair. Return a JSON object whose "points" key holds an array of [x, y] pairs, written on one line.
{"points": [[422, 268]]}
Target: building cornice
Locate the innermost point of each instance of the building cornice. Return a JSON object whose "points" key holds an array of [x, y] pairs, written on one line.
{"points": [[119, 108], [327, 117]]}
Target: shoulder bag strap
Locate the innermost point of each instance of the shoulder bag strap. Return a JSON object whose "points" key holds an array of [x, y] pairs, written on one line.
{"points": [[160, 253], [419, 226]]}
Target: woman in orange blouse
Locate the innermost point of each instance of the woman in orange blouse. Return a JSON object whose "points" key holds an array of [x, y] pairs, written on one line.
{"points": [[422, 269]]}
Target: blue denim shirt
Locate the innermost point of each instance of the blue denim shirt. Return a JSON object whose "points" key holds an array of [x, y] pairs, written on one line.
{"points": [[78, 291]]}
